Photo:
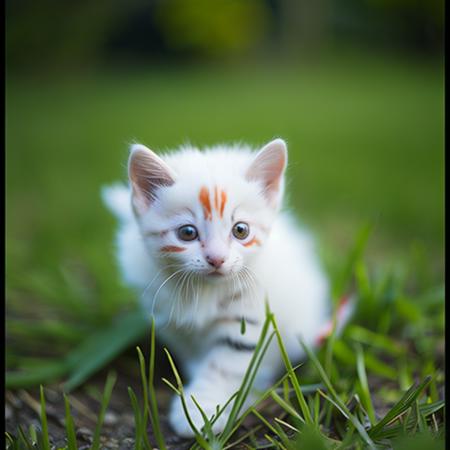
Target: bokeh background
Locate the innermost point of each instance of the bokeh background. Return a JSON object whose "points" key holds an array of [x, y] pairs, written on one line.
{"points": [[354, 86]]}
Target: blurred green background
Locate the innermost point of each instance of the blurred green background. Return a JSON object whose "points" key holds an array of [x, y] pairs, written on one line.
{"points": [[354, 86]]}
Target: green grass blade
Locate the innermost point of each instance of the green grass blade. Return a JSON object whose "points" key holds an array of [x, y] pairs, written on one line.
{"points": [[198, 436], [282, 436], [244, 436], [10, 440], [347, 441], [365, 392], [145, 384], [247, 382], [287, 425], [431, 408], [356, 423], [316, 409], [260, 399], [274, 444], [292, 376], [264, 420], [222, 408], [337, 405], [137, 419], [32, 433], [207, 428], [286, 406], [154, 415], [420, 419], [243, 326], [45, 437], [139, 430], [393, 431], [176, 390], [248, 379], [400, 407], [109, 385], [23, 441], [70, 428]]}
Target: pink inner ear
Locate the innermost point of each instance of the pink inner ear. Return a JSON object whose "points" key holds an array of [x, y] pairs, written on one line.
{"points": [[268, 168], [147, 173]]}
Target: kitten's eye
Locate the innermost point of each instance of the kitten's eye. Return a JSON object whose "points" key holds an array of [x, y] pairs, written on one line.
{"points": [[187, 233], [241, 230]]}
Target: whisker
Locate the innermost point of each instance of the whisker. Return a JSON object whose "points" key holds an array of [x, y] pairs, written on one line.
{"points": [[190, 289], [233, 290], [175, 302], [175, 294], [248, 285], [197, 292], [162, 285], [147, 287], [186, 289], [251, 280]]}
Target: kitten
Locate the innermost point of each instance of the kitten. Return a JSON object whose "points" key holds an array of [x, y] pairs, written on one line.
{"points": [[202, 238]]}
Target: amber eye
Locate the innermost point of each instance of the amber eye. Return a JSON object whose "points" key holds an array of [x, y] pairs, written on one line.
{"points": [[187, 233], [241, 230]]}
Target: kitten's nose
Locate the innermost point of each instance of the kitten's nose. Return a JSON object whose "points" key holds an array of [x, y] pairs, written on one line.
{"points": [[215, 261]]}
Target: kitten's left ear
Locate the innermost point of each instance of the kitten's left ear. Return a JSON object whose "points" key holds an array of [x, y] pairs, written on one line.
{"points": [[268, 168]]}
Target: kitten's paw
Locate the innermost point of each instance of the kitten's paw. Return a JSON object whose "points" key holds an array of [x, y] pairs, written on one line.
{"points": [[180, 424]]}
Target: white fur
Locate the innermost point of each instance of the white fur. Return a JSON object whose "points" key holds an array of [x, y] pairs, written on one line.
{"points": [[284, 269]]}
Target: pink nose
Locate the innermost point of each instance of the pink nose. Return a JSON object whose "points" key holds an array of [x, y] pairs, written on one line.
{"points": [[215, 261]]}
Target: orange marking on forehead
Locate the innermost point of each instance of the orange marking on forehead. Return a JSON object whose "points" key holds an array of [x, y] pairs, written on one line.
{"points": [[252, 242], [216, 199], [172, 249], [204, 200], [223, 200]]}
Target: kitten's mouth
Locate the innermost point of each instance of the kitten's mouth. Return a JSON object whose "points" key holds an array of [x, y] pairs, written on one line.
{"points": [[215, 274]]}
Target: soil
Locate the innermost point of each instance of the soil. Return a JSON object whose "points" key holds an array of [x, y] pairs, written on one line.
{"points": [[22, 408]]}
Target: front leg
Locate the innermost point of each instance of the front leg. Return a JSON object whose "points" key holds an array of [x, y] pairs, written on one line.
{"points": [[218, 375]]}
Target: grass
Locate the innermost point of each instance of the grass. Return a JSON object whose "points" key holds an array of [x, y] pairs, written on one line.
{"points": [[344, 416], [365, 139]]}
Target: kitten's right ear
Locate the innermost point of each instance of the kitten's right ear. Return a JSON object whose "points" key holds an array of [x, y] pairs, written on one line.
{"points": [[268, 168], [147, 172]]}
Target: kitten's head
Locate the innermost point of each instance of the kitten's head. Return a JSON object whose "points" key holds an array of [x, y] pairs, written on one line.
{"points": [[207, 212]]}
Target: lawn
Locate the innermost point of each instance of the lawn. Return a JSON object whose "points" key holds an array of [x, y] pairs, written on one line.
{"points": [[365, 140]]}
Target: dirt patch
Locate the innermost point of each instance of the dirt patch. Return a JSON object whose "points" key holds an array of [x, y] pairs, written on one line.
{"points": [[22, 408]]}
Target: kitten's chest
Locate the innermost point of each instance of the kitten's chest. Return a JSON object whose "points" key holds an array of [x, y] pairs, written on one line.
{"points": [[197, 305], [192, 314]]}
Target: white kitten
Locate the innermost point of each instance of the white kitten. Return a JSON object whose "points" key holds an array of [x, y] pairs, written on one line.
{"points": [[202, 238]]}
